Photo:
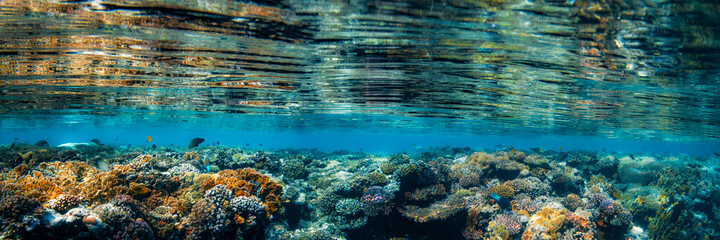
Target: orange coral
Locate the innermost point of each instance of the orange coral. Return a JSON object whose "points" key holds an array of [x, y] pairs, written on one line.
{"points": [[48, 181], [247, 182], [53, 179]]}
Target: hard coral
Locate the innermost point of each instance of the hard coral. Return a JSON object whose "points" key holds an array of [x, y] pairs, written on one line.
{"points": [[544, 224], [63, 203], [248, 182], [49, 180], [137, 229], [378, 201], [376, 178], [509, 222], [504, 191], [572, 201]]}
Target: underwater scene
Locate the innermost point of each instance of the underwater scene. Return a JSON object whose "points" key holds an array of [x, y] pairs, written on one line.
{"points": [[359, 119]]}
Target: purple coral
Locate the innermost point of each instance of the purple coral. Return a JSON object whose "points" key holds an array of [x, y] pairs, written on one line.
{"points": [[428, 175], [608, 207], [245, 204], [595, 200], [137, 229], [624, 218], [377, 200], [510, 222], [218, 195]]}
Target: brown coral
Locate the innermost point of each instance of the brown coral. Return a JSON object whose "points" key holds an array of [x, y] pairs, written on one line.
{"points": [[503, 190], [65, 202], [480, 158]]}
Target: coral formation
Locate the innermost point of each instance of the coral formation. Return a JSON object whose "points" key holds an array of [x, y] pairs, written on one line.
{"points": [[377, 201], [443, 193]]}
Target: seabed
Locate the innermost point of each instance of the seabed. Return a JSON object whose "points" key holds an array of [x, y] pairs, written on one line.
{"points": [[96, 191]]}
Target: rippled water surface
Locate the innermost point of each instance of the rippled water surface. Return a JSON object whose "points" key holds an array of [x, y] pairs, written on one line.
{"points": [[626, 69]]}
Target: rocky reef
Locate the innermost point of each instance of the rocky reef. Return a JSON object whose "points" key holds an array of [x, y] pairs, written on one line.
{"points": [[96, 191]]}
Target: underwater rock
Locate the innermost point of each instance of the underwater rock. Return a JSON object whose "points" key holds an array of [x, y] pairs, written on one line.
{"points": [[42, 143], [72, 145], [641, 170], [195, 142]]}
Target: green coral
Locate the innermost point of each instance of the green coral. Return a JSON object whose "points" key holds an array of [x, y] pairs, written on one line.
{"points": [[399, 158], [406, 170], [377, 178], [294, 169], [348, 206], [387, 168], [503, 191]]}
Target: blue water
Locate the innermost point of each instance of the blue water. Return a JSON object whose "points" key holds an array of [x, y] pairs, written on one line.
{"points": [[374, 140]]}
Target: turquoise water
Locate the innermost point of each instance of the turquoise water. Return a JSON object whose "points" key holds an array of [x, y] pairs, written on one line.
{"points": [[360, 119], [380, 138]]}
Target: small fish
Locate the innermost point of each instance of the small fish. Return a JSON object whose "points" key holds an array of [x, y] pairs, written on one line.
{"points": [[96, 141], [154, 146], [149, 139], [504, 203], [217, 143], [560, 148], [261, 144], [247, 144], [195, 142], [16, 139]]}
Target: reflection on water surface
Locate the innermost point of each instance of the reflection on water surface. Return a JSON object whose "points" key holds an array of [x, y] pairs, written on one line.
{"points": [[644, 69]]}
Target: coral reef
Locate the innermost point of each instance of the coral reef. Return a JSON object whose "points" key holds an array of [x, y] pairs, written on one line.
{"points": [[217, 192]]}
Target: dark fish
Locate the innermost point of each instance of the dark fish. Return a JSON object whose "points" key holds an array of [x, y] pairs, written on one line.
{"points": [[247, 144], [504, 203], [218, 143], [154, 146], [96, 141], [16, 139], [195, 142], [261, 144], [42, 143]]}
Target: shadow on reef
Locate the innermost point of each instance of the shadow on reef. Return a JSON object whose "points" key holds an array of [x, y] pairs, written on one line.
{"points": [[94, 191]]}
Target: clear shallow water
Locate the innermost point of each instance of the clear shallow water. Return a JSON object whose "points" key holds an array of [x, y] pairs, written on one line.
{"points": [[491, 104], [622, 70]]}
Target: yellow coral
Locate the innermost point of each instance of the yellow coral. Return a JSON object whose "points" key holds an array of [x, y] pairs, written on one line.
{"points": [[550, 220], [480, 158], [503, 191]]}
